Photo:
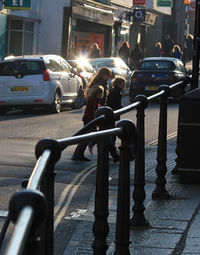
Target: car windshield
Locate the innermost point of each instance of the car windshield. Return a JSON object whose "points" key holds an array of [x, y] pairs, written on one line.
{"points": [[21, 66], [157, 65], [98, 63]]}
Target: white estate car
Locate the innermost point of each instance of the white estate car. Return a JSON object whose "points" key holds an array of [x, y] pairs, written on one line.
{"points": [[45, 80]]}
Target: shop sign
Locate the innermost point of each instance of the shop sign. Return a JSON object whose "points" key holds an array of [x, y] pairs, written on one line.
{"points": [[164, 3], [139, 2], [139, 15], [17, 4]]}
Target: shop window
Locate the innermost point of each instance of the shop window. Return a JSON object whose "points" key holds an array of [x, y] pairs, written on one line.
{"points": [[19, 37]]}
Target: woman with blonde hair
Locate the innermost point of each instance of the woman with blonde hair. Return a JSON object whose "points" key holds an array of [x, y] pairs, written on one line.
{"points": [[158, 49], [100, 78], [176, 51]]}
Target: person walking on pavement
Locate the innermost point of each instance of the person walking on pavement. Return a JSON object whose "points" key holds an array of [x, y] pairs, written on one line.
{"points": [[136, 56], [114, 102], [94, 95], [158, 50], [124, 51], [176, 52], [95, 51], [189, 44], [101, 78], [167, 46]]}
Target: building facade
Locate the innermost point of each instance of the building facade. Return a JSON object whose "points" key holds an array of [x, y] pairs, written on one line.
{"points": [[69, 28]]}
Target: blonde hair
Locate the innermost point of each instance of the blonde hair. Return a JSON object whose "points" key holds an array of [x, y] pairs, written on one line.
{"points": [[176, 47], [94, 91], [97, 77], [158, 44]]}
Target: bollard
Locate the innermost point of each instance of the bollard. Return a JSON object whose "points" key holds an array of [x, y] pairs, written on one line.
{"points": [[161, 169], [138, 219], [122, 236], [100, 226], [47, 187]]}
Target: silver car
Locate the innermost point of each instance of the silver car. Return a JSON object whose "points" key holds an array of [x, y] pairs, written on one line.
{"points": [[31, 81], [117, 65]]}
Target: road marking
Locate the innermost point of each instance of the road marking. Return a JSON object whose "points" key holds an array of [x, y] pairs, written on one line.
{"points": [[84, 175], [3, 214], [170, 136], [76, 214]]}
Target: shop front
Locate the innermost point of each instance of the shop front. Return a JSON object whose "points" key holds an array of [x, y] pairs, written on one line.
{"points": [[85, 24]]}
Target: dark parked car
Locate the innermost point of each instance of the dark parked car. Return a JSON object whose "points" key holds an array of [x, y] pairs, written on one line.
{"points": [[155, 71]]}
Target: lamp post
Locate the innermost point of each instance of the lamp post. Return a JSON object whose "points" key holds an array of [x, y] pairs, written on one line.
{"points": [[186, 2]]}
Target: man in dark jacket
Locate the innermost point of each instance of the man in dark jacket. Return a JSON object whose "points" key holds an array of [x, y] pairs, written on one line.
{"points": [[167, 46]]}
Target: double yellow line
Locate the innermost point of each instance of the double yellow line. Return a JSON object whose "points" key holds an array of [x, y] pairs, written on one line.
{"points": [[68, 194]]}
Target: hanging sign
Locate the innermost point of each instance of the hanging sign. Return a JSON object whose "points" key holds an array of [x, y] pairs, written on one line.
{"points": [[139, 14], [17, 4], [139, 2], [164, 3], [192, 7]]}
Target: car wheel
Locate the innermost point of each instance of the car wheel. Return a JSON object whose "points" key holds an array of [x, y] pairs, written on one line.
{"points": [[56, 105], [79, 100], [3, 110]]}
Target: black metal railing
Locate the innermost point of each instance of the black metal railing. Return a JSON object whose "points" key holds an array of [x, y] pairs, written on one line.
{"points": [[32, 208]]}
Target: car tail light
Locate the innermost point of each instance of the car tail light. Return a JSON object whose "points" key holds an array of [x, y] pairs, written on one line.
{"points": [[46, 76], [134, 77]]}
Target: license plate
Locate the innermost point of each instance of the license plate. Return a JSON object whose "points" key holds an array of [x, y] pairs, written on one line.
{"points": [[151, 88], [19, 89]]}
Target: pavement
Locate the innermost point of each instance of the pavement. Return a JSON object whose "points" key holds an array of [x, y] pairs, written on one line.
{"points": [[174, 224]]}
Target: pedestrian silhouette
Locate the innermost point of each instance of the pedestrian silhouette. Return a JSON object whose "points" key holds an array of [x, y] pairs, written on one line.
{"points": [[136, 56], [176, 51], [95, 51], [167, 46], [158, 49], [93, 98], [189, 44], [124, 51]]}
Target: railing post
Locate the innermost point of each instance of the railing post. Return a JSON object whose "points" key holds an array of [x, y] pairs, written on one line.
{"points": [[161, 169], [138, 219], [47, 187], [37, 201], [100, 226], [122, 235]]}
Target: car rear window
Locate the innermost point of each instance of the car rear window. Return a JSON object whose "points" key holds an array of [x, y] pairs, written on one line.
{"points": [[100, 63], [157, 65], [24, 67]]}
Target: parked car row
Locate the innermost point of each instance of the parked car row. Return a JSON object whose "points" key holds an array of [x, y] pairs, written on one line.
{"points": [[51, 81]]}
